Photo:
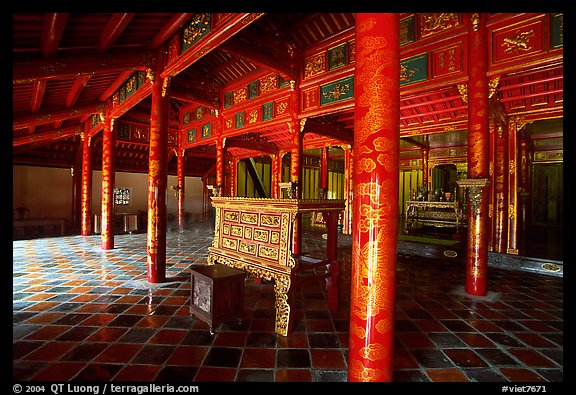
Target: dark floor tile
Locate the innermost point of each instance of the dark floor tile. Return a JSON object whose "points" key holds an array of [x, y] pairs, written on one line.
{"points": [[261, 340], [223, 357], [327, 359], [521, 374], [534, 340], [78, 333], [504, 339], [258, 358], [532, 358], [125, 320], [171, 374], [95, 372], [255, 375], [292, 358], [497, 357], [405, 326], [137, 335], [198, 338], [23, 347], [552, 375], [410, 376], [475, 340], [432, 358], [446, 340], [152, 355], [484, 375], [329, 376], [457, 326], [465, 358], [215, 374], [137, 373], [118, 353], [25, 370], [323, 340], [293, 375], [84, 352], [415, 340]]}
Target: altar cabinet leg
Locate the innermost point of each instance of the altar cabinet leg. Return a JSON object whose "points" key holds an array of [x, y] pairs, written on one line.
{"points": [[283, 294]]}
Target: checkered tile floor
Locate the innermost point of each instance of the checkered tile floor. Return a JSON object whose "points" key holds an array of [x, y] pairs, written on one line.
{"points": [[81, 313]]}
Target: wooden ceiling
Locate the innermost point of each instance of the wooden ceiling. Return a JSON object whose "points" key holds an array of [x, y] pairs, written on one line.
{"points": [[65, 66]]}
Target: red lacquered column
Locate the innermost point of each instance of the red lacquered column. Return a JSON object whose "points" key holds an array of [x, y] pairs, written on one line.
{"points": [[425, 155], [478, 156], [348, 189], [108, 152], [86, 202], [181, 188], [296, 179], [376, 169], [220, 167], [500, 184], [275, 176], [157, 180], [296, 127], [324, 172]]}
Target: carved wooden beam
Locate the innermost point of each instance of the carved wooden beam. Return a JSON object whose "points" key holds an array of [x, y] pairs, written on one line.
{"points": [[52, 135], [48, 116], [72, 66], [113, 29], [53, 29], [267, 148]]}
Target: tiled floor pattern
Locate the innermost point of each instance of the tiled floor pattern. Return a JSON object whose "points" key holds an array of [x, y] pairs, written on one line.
{"points": [[81, 313]]}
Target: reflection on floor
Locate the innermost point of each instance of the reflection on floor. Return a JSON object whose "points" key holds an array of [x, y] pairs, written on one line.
{"points": [[81, 313]]}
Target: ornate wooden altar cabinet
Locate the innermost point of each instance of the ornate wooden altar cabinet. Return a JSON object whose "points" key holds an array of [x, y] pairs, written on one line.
{"points": [[255, 235], [439, 214]]}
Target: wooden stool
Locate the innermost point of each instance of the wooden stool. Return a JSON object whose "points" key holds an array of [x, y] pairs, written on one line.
{"points": [[217, 294]]}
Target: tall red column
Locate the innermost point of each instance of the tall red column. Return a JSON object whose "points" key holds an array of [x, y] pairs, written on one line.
{"points": [[181, 188], [157, 181], [76, 173], [275, 170], [348, 190], [296, 127], [108, 179], [86, 193], [425, 156], [296, 180], [376, 169], [478, 157], [500, 185], [220, 166], [324, 172]]}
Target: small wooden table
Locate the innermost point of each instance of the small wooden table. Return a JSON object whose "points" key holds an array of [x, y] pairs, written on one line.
{"points": [[217, 294]]}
